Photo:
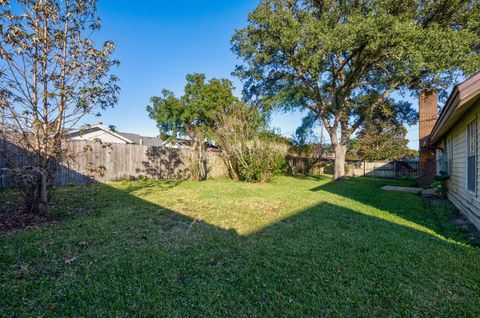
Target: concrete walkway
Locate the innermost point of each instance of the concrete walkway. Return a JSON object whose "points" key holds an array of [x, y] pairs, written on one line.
{"points": [[403, 189]]}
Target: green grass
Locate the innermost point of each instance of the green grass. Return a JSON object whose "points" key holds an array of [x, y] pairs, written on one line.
{"points": [[295, 247]]}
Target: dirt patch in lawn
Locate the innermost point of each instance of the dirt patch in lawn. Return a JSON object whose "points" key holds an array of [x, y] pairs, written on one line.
{"points": [[470, 231], [13, 218], [451, 221], [66, 202]]}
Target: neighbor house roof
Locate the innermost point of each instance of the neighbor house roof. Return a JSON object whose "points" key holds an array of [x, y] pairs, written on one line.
{"points": [[127, 137], [90, 128], [142, 140], [462, 98]]}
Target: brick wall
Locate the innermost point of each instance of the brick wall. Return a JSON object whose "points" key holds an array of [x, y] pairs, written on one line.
{"points": [[428, 102]]}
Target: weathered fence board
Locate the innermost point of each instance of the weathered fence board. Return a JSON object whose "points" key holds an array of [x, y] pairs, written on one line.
{"points": [[117, 162], [127, 161], [395, 169]]}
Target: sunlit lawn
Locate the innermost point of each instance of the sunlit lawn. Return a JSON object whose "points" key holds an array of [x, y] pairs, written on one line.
{"points": [[295, 247]]}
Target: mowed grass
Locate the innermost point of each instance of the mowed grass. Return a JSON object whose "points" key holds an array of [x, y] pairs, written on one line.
{"points": [[295, 247]]}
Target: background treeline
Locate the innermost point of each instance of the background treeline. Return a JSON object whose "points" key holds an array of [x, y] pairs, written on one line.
{"points": [[209, 114]]}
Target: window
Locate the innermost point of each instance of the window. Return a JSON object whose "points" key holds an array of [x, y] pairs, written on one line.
{"points": [[472, 156], [442, 160]]}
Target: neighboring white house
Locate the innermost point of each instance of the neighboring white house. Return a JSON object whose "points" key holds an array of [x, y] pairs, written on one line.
{"points": [[103, 133], [456, 137], [99, 132]]}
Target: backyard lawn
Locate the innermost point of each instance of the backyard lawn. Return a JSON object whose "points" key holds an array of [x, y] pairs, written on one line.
{"points": [[295, 247]]}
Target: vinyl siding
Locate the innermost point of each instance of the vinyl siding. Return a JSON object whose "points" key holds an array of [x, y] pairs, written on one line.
{"points": [[467, 202]]}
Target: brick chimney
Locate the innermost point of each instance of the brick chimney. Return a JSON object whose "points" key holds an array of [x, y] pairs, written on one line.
{"points": [[428, 102]]}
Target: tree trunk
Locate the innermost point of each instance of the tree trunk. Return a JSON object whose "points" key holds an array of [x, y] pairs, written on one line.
{"points": [[231, 166], [339, 168], [233, 173], [202, 161], [42, 205]]}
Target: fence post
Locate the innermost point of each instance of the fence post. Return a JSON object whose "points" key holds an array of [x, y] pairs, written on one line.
{"points": [[395, 169]]}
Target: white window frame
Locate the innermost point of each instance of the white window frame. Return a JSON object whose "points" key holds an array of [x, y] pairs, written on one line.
{"points": [[474, 122]]}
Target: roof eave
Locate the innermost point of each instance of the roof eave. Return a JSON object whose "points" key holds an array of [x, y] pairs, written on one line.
{"points": [[452, 102], [458, 103], [101, 127]]}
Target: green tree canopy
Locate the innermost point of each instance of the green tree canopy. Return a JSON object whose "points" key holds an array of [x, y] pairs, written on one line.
{"points": [[382, 142], [342, 59], [383, 137], [193, 114]]}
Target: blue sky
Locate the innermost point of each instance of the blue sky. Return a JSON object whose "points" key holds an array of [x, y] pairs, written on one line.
{"points": [[159, 42]]}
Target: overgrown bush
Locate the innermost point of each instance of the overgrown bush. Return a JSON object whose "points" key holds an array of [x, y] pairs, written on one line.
{"points": [[259, 160], [439, 184], [249, 150]]}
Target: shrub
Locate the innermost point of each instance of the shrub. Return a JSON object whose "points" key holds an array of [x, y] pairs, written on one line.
{"points": [[259, 160], [439, 184], [250, 151]]}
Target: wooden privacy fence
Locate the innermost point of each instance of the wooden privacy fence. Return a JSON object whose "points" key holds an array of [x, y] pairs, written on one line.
{"points": [[396, 169], [114, 162]]}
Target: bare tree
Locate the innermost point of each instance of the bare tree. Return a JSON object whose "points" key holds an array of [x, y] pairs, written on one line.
{"points": [[51, 75]]}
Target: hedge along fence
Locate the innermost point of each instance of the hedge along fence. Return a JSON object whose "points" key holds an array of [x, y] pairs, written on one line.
{"points": [[94, 161]]}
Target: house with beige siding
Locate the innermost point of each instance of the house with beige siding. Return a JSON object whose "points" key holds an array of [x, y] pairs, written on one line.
{"points": [[455, 138]]}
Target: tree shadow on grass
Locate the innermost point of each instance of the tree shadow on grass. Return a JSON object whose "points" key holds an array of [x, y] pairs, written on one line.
{"points": [[146, 184], [312, 177], [136, 258], [407, 206]]}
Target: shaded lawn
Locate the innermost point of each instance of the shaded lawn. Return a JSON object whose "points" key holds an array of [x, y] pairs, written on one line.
{"points": [[298, 246]]}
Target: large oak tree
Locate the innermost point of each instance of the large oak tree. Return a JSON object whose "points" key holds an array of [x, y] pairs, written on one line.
{"points": [[341, 60]]}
